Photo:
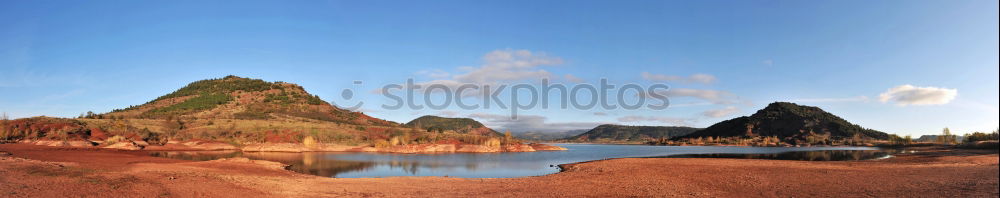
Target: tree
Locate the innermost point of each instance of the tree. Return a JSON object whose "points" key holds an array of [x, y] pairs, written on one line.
{"points": [[897, 140], [507, 137], [946, 137], [980, 136]]}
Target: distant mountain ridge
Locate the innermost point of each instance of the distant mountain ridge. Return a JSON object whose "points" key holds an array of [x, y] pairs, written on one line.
{"points": [[934, 138], [610, 132], [549, 136], [790, 121]]}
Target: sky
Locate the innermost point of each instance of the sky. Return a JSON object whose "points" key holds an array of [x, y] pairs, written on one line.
{"points": [[903, 67]]}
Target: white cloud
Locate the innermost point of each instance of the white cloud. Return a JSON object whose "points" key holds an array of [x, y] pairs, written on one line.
{"points": [[696, 78], [436, 73], [600, 113], [529, 123], [667, 120], [911, 95], [509, 65], [499, 66], [715, 113], [768, 62], [447, 113], [832, 100], [574, 79], [713, 96]]}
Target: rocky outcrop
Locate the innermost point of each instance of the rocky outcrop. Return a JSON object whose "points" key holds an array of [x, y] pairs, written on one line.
{"points": [[546, 147], [473, 148], [277, 147], [192, 146], [124, 146], [420, 148], [518, 148], [60, 143], [247, 161]]}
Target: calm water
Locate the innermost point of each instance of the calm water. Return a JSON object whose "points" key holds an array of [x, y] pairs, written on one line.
{"points": [[498, 165]]}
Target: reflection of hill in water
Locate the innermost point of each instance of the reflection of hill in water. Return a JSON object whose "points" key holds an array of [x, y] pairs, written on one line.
{"points": [[493, 165], [307, 163], [826, 155], [332, 164], [311, 163], [325, 164]]}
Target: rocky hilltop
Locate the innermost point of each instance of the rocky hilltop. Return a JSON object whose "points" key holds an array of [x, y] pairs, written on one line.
{"points": [[240, 98], [789, 122], [461, 125]]}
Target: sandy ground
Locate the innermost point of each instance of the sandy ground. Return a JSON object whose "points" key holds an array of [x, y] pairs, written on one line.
{"points": [[36, 171]]}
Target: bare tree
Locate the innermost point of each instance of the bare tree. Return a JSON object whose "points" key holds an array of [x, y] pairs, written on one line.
{"points": [[946, 137]]}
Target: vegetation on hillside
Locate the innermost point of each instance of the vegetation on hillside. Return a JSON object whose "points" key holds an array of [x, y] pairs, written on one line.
{"points": [[204, 101], [42, 128], [792, 124], [227, 84], [461, 125]]}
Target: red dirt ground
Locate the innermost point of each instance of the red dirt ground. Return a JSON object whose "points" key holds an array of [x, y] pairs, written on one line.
{"points": [[36, 171]]}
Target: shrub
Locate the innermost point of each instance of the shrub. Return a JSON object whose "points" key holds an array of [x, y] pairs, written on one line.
{"points": [[492, 142], [380, 143], [115, 139], [394, 141], [309, 141]]}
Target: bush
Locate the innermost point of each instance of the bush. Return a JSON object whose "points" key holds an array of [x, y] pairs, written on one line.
{"points": [[115, 139], [980, 136], [380, 143], [492, 142], [309, 141]]}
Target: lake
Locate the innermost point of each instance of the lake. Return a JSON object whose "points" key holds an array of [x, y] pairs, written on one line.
{"points": [[505, 165]]}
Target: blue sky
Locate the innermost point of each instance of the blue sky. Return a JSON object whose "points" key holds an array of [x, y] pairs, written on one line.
{"points": [[62, 58]]}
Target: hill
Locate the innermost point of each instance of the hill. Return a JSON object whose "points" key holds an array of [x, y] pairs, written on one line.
{"points": [[790, 122], [235, 97], [255, 115], [460, 125], [621, 133]]}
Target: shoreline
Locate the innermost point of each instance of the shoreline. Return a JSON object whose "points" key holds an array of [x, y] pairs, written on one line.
{"points": [[33, 171], [300, 147]]}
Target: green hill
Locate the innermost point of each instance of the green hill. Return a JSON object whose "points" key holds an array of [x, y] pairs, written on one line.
{"points": [[235, 97], [461, 125], [788, 121]]}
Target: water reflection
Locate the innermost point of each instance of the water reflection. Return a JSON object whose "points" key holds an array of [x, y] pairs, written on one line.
{"points": [[501, 165]]}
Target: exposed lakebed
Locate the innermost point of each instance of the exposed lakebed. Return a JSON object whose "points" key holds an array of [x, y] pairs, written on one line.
{"points": [[512, 164]]}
